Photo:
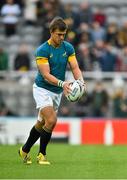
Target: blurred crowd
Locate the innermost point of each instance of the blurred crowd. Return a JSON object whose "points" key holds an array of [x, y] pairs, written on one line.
{"points": [[99, 38], [100, 41]]}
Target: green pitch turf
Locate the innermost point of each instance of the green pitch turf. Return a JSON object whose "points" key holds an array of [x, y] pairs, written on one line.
{"points": [[67, 162]]}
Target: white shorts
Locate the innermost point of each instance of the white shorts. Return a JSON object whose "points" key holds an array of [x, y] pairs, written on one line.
{"points": [[44, 98]]}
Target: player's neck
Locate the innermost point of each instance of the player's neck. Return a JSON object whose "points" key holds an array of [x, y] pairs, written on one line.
{"points": [[51, 42]]}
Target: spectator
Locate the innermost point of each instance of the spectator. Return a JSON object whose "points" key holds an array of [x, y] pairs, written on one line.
{"points": [[97, 51], [84, 38], [123, 58], [97, 32], [3, 60], [99, 100], [112, 34], [122, 35], [83, 35], [30, 18], [120, 103], [99, 17], [10, 13], [85, 58], [106, 58], [86, 14], [22, 59], [109, 60]]}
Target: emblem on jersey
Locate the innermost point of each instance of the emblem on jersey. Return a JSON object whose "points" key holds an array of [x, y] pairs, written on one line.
{"points": [[51, 55], [64, 54]]}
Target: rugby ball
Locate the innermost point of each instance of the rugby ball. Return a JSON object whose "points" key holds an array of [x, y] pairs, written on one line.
{"points": [[77, 91]]}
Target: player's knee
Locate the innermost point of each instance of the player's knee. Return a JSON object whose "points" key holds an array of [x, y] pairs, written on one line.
{"points": [[50, 123], [49, 116], [38, 125]]}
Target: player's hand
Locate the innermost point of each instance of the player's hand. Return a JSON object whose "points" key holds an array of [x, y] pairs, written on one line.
{"points": [[67, 87], [82, 83]]}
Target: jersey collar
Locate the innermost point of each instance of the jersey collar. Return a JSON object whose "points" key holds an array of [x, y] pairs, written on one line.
{"points": [[49, 42]]}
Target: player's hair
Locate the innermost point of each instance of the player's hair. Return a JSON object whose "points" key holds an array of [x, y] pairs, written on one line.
{"points": [[58, 23]]}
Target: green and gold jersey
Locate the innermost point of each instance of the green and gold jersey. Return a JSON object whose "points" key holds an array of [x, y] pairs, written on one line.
{"points": [[57, 58]]}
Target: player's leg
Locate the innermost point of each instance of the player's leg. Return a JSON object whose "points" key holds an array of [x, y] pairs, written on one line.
{"points": [[35, 131], [33, 137], [49, 115], [34, 134]]}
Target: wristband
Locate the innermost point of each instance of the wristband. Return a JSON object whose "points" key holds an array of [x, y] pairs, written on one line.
{"points": [[60, 83]]}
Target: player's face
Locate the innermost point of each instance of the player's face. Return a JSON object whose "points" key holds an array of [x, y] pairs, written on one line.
{"points": [[58, 36]]}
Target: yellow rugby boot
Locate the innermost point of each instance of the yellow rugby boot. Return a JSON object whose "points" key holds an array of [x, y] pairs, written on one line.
{"points": [[25, 157], [41, 159]]}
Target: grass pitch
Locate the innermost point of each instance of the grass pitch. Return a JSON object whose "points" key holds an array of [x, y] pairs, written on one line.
{"points": [[67, 162]]}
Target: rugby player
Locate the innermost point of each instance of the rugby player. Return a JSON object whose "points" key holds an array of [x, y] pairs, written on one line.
{"points": [[52, 58]]}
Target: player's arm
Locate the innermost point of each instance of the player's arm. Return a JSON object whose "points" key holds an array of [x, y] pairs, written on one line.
{"points": [[75, 68], [44, 69]]}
